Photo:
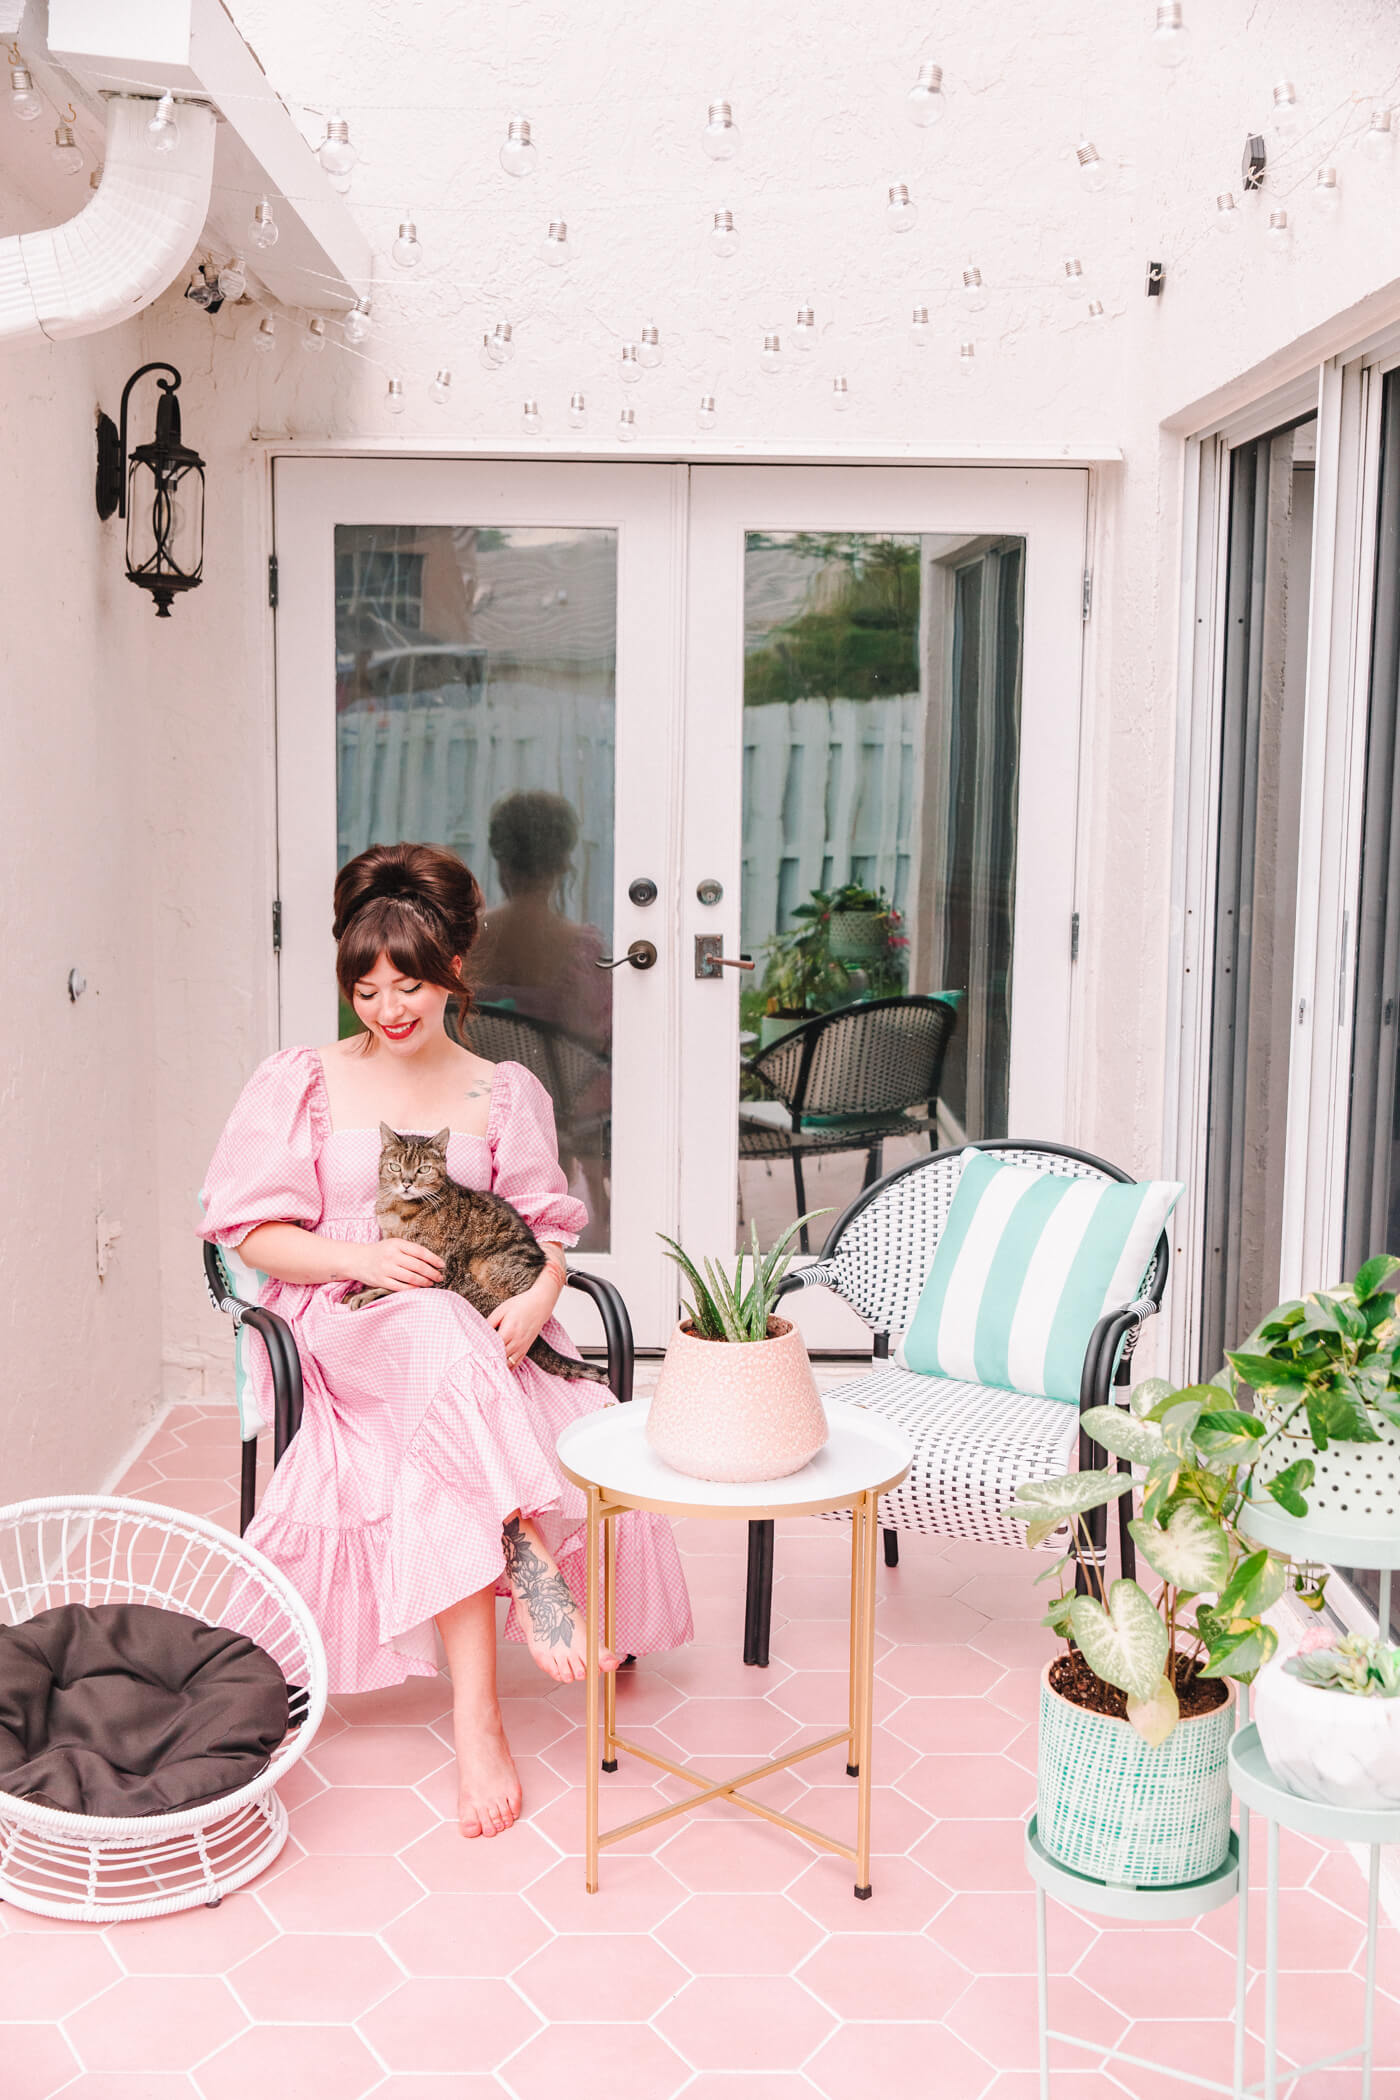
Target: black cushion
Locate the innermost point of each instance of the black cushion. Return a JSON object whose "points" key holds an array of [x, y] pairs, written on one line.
{"points": [[130, 1710]]}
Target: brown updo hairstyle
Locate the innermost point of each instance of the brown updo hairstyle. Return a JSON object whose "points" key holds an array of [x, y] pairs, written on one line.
{"points": [[419, 905]]}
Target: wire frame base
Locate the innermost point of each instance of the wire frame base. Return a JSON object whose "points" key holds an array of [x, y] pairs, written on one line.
{"points": [[108, 1882]]}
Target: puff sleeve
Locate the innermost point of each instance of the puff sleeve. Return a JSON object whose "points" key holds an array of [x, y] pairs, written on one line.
{"points": [[525, 1165], [264, 1167]]}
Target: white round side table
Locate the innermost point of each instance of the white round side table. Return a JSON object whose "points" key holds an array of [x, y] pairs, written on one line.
{"points": [[608, 1456]]}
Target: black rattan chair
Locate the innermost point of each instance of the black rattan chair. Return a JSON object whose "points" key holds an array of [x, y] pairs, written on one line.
{"points": [[568, 1069], [845, 1082]]}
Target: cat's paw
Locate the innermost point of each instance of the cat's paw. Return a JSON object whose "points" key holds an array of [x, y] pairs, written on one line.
{"points": [[358, 1298]]}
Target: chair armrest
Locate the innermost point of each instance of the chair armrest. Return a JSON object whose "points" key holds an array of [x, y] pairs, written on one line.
{"points": [[288, 1391], [617, 1327], [805, 1279], [1110, 1348]]}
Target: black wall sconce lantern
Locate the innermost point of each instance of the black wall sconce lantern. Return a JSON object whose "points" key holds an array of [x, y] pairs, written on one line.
{"points": [[159, 490]]}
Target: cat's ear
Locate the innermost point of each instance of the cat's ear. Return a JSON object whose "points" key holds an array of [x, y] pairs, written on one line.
{"points": [[390, 1137], [439, 1143]]}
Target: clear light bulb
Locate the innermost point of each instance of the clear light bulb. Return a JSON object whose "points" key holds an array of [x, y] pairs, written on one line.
{"points": [[265, 335], [770, 357], [840, 393], [1377, 141], [162, 132], [262, 228], [393, 397], [1285, 117], [1170, 37], [335, 152], [314, 338], [901, 212], [556, 248], [920, 328], [1095, 310], [706, 415], [491, 360], [25, 100], [498, 348], [233, 278], [804, 332], [627, 426], [578, 412], [1228, 217], [407, 250], [925, 101], [519, 154], [440, 387], [66, 152], [724, 234], [630, 369], [357, 323], [1326, 192], [974, 292], [649, 346], [1075, 287], [967, 360], [1093, 169], [1278, 238], [721, 137], [531, 421]]}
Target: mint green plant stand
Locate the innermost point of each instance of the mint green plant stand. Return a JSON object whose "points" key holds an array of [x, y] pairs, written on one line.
{"points": [[1108, 1899]]}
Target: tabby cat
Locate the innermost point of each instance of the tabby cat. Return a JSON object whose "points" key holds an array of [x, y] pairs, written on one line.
{"points": [[489, 1250]]}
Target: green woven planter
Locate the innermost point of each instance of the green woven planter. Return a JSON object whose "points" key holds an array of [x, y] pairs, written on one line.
{"points": [[856, 936], [1111, 1806]]}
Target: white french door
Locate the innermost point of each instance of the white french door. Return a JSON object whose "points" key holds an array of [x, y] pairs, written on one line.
{"points": [[651, 703]]}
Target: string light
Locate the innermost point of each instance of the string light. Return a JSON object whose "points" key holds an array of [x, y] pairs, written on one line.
{"points": [[519, 154], [925, 102], [335, 152], [356, 324], [1169, 38], [840, 393], [770, 357], [233, 278], [162, 132], [1278, 237], [1228, 219], [1325, 192], [1285, 118], [706, 415], [393, 397], [578, 412], [804, 332], [407, 250], [555, 248], [265, 335], [720, 138], [920, 328], [1095, 310], [262, 228], [1093, 171], [65, 151], [531, 421], [501, 343], [967, 360], [440, 387], [649, 346], [630, 370], [24, 96], [314, 338], [974, 292], [901, 213], [1075, 286], [724, 234], [626, 426], [1378, 139]]}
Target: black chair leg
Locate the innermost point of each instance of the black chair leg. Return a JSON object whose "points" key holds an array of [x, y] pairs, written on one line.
{"points": [[891, 1539], [758, 1608], [874, 1164], [800, 1188], [248, 1485], [1127, 1552]]}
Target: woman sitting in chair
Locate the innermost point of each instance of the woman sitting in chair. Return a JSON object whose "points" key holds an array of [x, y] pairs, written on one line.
{"points": [[422, 1483]]}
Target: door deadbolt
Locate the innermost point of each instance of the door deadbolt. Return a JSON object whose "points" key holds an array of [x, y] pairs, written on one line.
{"points": [[642, 890], [709, 891]]}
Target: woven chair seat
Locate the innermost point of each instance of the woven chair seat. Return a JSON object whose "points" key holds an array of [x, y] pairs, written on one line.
{"points": [[974, 1446], [766, 1132]]}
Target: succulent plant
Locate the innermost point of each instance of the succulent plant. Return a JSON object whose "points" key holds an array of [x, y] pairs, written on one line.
{"points": [[1368, 1669], [737, 1311]]}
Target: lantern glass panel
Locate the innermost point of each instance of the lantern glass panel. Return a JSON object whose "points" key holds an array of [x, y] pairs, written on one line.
{"points": [[165, 518]]}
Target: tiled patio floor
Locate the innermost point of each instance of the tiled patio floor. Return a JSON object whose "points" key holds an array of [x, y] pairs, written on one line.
{"points": [[385, 1955]]}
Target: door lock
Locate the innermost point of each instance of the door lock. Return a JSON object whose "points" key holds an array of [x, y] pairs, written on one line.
{"points": [[641, 955], [642, 890], [710, 958]]}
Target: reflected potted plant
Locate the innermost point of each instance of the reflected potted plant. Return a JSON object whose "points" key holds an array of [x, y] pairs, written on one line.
{"points": [[736, 1399], [845, 944], [1329, 1720]]}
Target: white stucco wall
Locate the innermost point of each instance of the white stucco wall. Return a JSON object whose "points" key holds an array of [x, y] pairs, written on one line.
{"points": [[617, 98]]}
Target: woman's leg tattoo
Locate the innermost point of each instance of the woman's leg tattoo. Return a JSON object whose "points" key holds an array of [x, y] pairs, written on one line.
{"points": [[540, 1587]]}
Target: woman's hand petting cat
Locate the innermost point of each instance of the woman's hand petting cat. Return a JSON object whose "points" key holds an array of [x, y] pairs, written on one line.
{"points": [[518, 1320], [397, 1265]]}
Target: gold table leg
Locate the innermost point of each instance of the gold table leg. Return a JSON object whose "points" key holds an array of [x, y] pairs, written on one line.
{"points": [[590, 1749], [853, 1678], [610, 1641], [864, 1747]]}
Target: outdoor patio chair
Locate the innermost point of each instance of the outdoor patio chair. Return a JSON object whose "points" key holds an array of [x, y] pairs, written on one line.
{"points": [[973, 1445], [567, 1068], [233, 1290], [846, 1081]]}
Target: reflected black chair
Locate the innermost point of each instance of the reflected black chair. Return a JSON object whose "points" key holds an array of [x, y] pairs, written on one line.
{"points": [[567, 1068], [845, 1082]]}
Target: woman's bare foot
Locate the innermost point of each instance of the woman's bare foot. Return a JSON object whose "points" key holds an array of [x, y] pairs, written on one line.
{"points": [[552, 1622], [488, 1786]]}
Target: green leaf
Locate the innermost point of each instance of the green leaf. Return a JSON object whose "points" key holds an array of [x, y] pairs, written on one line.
{"points": [[1198, 1396], [1160, 1490], [1148, 1393], [1287, 1487], [1123, 1434], [1257, 1583], [1191, 1551], [1343, 1415], [1126, 1644], [1156, 1716], [1266, 1374], [1241, 1655], [1043, 1505], [1058, 1619]]}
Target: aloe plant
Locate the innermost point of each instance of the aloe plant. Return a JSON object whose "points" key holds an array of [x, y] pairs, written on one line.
{"points": [[725, 1310], [1368, 1669]]}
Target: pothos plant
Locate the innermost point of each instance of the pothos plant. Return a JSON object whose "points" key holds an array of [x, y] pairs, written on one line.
{"points": [[1326, 1366]]}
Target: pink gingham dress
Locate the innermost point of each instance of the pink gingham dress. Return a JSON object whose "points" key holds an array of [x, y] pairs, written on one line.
{"points": [[417, 1441]]}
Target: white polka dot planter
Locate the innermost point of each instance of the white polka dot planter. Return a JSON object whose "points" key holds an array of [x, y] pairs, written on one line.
{"points": [[1329, 1745], [1356, 1487], [736, 1410]]}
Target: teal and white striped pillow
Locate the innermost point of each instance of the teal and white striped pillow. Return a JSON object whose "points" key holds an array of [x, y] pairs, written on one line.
{"points": [[1025, 1268]]}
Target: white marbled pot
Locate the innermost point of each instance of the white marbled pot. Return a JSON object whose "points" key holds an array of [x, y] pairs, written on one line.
{"points": [[1329, 1745]]}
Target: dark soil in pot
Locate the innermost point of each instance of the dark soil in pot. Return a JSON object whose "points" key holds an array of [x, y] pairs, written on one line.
{"points": [[1072, 1678]]}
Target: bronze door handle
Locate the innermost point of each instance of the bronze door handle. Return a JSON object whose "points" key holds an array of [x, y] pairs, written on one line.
{"points": [[710, 958], [641, 955]]}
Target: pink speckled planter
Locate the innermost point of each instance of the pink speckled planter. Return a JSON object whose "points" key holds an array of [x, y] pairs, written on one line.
{"points": [[736, 1410]]}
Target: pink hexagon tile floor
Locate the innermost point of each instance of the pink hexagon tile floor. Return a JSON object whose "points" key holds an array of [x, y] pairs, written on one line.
{"points": [[722, 1958]]}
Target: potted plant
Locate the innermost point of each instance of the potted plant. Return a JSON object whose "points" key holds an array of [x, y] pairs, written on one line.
{"points": [[845, 944], [1329, 1720], [736, 1399], [858, 922]]}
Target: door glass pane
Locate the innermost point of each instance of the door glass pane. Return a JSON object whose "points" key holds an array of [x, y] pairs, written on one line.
{"points": [[1266, 644], [882, 687], [475, 704]]}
